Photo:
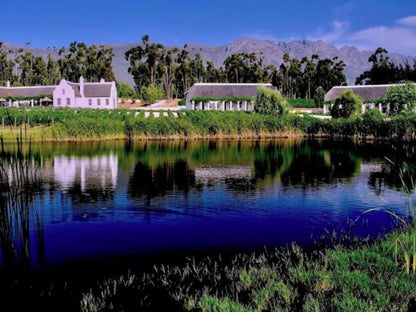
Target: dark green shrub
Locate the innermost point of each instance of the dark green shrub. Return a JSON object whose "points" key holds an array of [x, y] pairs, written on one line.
{"points": [[301, 103], [269, 102], [401, 97], [319, 97], [346, 105], [152, 93]]}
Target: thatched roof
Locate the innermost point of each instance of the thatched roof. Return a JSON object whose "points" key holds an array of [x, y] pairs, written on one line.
{"points": [[102, 89], [368, 92], [26, 91], [93, 89], [224, 90], [75, 87]]}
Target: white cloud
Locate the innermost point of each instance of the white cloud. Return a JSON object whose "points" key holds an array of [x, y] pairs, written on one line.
{"points": [[408, 21], [394, 39], [339, 28], [400, 37]]}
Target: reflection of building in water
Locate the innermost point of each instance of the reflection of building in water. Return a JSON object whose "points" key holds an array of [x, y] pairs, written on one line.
{"points": [[98, 172], [369, 167], [211, 174]]}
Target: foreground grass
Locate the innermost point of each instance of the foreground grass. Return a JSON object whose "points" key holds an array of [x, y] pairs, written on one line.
{"points": [[360, 277]]}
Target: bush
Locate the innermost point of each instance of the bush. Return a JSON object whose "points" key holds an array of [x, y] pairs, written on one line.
{"points": [[125, 90], [269, 102], [301, 103], [152, 93], [346, 105], [319, 97], [401, 98]]}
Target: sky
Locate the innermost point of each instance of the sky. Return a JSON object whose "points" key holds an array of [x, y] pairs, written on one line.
{"points": [[366, 24]]}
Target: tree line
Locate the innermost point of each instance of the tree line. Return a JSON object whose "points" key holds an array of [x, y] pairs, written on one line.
{"points": [[22, 68], [175, 70], [384, 71], [171, 72]]}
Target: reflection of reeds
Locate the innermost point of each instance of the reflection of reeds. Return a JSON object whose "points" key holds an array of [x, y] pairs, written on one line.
{"points": [[405, 242], [19, 183]]}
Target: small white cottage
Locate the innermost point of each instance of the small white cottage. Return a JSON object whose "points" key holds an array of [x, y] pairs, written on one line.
{"points": [[100, 95]]}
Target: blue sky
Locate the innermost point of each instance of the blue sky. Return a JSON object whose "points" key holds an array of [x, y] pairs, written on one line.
{"points": [[366, 24]]}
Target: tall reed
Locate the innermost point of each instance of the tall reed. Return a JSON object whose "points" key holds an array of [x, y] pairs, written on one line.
{"points": [[19, 213]]}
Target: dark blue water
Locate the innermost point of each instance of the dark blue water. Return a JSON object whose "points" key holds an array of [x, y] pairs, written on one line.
{"points": [[104, 200]]}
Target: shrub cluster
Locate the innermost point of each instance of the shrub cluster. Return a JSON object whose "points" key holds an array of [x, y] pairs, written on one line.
{"points": [[301, 103]]}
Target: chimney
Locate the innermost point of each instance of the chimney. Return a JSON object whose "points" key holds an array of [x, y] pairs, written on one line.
{"points": [[102, 80], [8, 84], [81, 86]]}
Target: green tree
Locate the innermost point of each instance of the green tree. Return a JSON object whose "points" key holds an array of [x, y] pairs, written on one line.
{"points": [[346, 105], [94, 63], [329, 73], [53, 74], [125, 90], [319, 97], [152, 93], [168, 68], [382, 71], [7, 65], [401, 97], [270, 102]]}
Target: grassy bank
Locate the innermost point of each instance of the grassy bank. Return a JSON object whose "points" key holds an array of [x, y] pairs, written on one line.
{"points": [[361, 277], [65, 124]]}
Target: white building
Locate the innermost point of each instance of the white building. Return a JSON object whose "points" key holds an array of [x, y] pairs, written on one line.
{"points": [[33, 95], [100, 95], [223, 96]]}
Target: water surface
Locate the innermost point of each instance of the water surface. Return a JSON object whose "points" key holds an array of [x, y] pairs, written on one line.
{"points": [[110, 199]]}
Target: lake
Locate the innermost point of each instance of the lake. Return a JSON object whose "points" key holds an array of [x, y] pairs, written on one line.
{"points": [[106, 200]]}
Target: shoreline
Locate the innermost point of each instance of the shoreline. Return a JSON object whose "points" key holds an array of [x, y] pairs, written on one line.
{"points": [[26, 136]]}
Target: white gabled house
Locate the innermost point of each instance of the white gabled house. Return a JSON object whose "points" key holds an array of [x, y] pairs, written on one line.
{"points": [[99, 95]]}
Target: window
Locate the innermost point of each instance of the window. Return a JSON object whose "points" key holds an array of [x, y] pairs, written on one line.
{"points": [[68, 101], [63, 91], [98, 101], [59, 101], [89, 102], [107, 102]]}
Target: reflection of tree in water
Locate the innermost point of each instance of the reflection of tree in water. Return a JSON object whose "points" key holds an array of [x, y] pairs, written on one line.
{"points": [[151, 183], [389, 175], [93, 192], [19, 213], [268, 161], [312, 167], [271, 160]]}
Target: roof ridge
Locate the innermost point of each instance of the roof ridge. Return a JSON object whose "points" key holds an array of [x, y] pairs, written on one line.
{"points": [[369, 86]]}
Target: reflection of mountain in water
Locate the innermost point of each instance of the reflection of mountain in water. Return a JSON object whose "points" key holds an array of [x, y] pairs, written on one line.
{"points": [[87, 178]]}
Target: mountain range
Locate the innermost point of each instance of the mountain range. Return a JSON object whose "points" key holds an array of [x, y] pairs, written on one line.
{"points": [[356, 60]]}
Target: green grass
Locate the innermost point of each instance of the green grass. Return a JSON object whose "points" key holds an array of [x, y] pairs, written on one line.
{"points": [[364, 277]]}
